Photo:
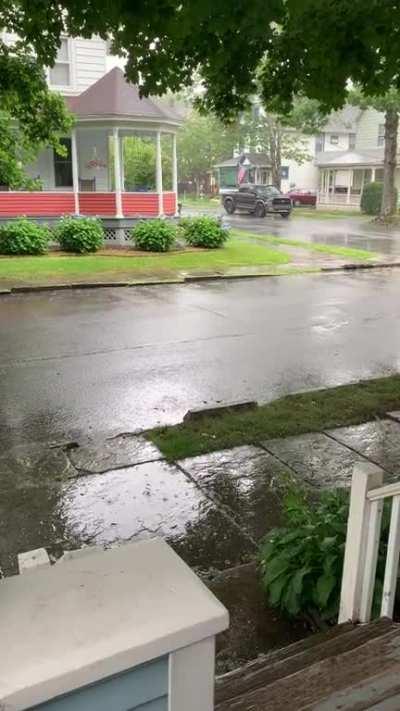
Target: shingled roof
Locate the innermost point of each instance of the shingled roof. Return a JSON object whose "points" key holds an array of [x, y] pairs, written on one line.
{"points": [[113, 95]]}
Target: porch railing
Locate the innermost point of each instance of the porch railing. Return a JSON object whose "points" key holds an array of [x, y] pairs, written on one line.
{"points": [[362, 545], [339, 199]]}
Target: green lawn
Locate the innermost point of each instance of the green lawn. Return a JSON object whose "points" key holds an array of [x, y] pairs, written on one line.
{"points": [[205, 203], [291, 415], [54, 268], [349, 252]]}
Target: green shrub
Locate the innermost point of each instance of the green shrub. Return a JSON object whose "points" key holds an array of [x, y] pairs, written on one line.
{"points": [[79, 234], [203, 232], [23, 236], [371, 198], [154, 235], [302, 563]]}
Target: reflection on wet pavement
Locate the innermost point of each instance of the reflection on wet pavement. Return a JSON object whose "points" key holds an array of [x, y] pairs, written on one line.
{"points": [[247, 480]]}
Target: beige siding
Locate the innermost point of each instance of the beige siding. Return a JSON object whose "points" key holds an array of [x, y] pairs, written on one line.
{"points": [[342, 145], [367, 131], [90, 62]]}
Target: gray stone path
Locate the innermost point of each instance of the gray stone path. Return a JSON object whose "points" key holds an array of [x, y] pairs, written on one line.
{"points": [[213, 509]]}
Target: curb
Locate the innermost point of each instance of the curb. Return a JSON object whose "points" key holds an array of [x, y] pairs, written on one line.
{"points": [[191, 279]]}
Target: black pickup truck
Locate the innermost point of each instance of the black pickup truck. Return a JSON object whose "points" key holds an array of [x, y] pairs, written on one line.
{"points": [[257, 199]]}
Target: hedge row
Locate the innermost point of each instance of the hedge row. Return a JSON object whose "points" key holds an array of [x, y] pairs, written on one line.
{"points": [[86, 234]]}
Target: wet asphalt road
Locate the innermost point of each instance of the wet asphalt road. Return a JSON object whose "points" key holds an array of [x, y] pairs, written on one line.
{"points": [[111, 360]]}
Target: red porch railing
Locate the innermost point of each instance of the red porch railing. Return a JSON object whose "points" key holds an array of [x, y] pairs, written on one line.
{"points": [[36, 204], [55, 204]]}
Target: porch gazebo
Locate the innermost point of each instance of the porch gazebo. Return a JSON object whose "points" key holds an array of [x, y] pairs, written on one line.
{"points": [[91, 179]]}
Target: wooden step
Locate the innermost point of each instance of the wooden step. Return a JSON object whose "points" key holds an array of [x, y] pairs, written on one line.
{"points": [[303, 678]]}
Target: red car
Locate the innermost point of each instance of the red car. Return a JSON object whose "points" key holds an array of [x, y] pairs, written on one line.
{"points": [[302, 197]]}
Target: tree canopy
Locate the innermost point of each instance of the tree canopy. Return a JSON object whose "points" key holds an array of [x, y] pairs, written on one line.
{"points": [[305, 47], [31, 117]]}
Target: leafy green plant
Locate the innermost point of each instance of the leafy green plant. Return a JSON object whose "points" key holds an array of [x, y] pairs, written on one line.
{"points": [[79, 234], [371, 198], [203, 232], [23, 236], [154, 235], [302, 562]]}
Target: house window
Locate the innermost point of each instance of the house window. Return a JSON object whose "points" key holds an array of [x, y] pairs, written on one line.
{"points": [[334, 139], [352, 141], [63, 166], [284, 172], [381, 134], [60, 74], [320, 143], [379, 175]]}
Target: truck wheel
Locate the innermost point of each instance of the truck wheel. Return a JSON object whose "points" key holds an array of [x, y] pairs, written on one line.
{"points": [[260, 210], [285, 215], [229, 206]]}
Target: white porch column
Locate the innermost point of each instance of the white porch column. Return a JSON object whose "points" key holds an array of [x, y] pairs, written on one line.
{"points": [[75, 170], [373, 175], [174, 167], [349, 184], [117, 173], [159, 181]]}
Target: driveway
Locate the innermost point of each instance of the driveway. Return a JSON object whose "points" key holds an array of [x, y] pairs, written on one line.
{"points": [[111, 360]]}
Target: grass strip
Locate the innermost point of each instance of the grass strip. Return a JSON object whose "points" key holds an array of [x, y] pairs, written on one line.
{"points": [[335, 250], [291, 415], [236, 253]]}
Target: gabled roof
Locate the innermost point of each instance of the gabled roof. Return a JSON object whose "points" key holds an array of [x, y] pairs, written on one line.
{"points": [[113, 95], [343, 121], [261, 160], [374, 156]]}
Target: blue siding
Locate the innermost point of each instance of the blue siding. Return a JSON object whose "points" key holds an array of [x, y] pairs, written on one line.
{"points": [[144, 688], [157, 705]]}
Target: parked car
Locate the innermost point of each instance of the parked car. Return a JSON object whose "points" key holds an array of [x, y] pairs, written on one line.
{"points": [[302, 197], [257, 200]]}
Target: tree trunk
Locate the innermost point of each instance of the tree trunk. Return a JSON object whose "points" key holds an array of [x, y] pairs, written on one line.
{"points": [[389, 206], [275, 152]]}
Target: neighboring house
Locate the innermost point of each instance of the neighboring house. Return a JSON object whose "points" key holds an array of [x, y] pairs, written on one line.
{"points": [[349, 154], [90, 179], [259, 171], [346, 155]]}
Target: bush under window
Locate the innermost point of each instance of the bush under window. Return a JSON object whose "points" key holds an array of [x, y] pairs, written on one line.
{"points": [[154, 235], [203, 232], [24, 236], [79, 234]]}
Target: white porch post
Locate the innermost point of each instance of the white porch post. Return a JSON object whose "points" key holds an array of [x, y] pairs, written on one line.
{"points": [[174, 167], [349, 184], [117, 173], [373, 175], [75, 170], [159, 181]]}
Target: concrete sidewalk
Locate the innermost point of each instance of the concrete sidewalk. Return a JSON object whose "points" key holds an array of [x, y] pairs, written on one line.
{"points": [[213, 509]]}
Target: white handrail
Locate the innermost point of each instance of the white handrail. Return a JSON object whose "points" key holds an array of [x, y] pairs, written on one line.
{"points": [[362, 545], [384, 492]]}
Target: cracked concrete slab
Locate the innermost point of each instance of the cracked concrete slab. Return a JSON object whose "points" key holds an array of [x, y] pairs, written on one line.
{"points": [[245, 480], [319, 460], [379, 441], [124, 450], [31, 464], [153, 499]]}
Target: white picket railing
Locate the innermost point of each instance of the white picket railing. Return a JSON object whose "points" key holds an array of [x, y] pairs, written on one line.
{"points": [[362, 545]]}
